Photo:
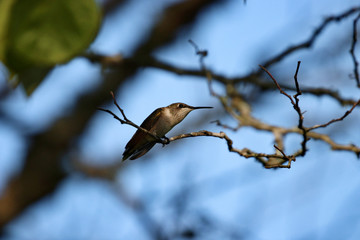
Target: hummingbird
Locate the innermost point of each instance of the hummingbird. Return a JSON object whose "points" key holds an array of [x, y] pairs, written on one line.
{"points": [[159, 122]]}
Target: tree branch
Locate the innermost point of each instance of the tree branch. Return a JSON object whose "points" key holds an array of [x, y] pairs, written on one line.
{"points": [[245, 152], [116, 60]]}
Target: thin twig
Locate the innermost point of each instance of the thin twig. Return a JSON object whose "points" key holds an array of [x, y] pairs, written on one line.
{"points": [[118, 107], [218, 123], [209, 77], [336, 119], [201, 53], [352, 50], [113, 114], [291, 158], [298, 110], [277, 85]]}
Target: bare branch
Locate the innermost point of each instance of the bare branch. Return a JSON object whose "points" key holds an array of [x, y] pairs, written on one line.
{"points": [[247, 153], [295, 105]]}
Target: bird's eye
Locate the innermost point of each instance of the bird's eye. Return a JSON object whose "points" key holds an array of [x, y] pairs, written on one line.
{"points": [[181, 105]]}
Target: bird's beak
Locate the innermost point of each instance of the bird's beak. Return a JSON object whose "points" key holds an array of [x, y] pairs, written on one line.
{"points": [[193, 108]]}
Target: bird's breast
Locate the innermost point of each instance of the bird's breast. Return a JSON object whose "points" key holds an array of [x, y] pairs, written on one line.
{"points": [[164, 124]]}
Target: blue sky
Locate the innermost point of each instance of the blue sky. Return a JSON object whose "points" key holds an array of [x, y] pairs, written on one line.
{"points": [[316, 199]]}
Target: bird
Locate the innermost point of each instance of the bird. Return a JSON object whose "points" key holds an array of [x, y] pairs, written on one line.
{"points": [[159, 122]]}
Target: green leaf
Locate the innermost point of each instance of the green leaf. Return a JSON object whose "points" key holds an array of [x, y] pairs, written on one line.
{"points": [[48, 32], [35, 35]]}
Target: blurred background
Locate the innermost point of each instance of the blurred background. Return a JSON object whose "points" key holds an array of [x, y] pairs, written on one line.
{"points": [[60, 158]]}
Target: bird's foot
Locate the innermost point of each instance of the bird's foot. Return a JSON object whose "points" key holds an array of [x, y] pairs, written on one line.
{"points": [[165, 141]]}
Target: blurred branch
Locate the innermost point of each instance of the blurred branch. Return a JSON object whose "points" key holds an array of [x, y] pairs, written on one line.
{"points": [[248, 79], [174, 17], [115, 61], [218, 123]]}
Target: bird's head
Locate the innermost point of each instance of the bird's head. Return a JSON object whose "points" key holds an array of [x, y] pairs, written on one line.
{"points": [[180, 110]]}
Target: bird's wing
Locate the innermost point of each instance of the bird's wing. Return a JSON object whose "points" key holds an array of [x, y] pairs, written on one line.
{"points": [[151, 120], [131, 147], [147, 124]]}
